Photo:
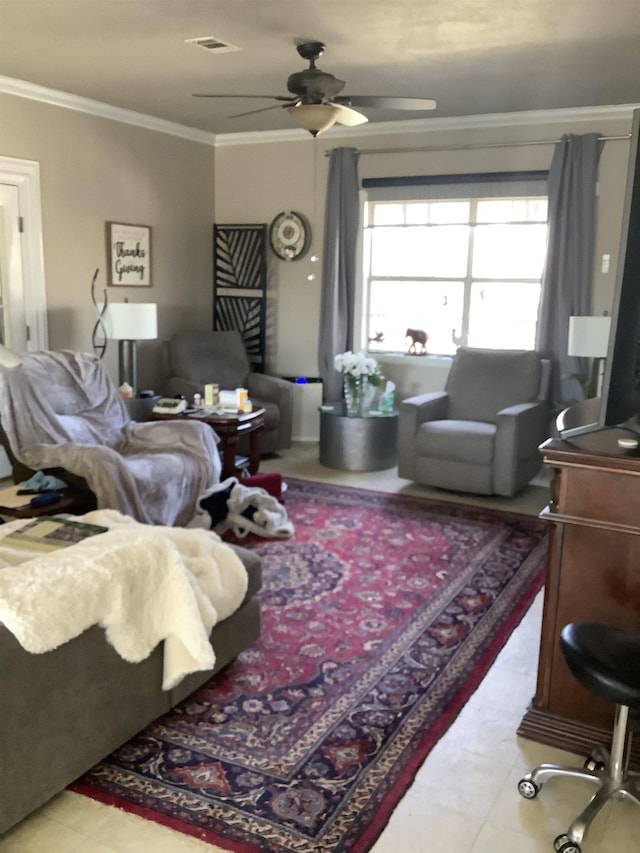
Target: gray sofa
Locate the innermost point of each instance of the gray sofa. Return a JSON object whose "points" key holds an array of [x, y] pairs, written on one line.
{"points": [[195, 359], [65, 710]]}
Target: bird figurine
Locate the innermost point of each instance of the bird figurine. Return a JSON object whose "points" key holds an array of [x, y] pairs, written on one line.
{"points": [[458, 340]]}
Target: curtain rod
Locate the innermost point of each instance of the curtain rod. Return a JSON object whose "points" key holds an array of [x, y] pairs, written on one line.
{"points": [[472, 147]]}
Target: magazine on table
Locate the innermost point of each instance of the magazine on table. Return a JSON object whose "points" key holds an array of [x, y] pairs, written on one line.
{"points": [[49, 533]]}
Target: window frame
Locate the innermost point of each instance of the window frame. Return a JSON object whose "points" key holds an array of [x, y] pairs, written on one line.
{"points": [[426, 188]]}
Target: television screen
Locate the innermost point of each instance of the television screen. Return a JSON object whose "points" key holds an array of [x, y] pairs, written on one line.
{"points": [[621, 389]]}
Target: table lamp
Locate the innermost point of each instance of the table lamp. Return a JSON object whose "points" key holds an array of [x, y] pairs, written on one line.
{"points": [[589, 338], [128, 323]]}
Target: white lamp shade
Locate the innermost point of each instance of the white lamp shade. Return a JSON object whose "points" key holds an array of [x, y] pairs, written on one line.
{"points": [[132, 321], [589, 336], [315, 117]]}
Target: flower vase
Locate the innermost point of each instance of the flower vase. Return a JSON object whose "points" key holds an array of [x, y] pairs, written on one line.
{"points": [[358, 395]]}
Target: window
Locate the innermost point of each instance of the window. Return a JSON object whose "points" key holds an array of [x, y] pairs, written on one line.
{"points": [[463, 263]]}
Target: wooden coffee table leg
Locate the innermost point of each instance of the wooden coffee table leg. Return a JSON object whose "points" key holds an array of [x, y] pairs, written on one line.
{"points": [[254, 451], [229, 446]]}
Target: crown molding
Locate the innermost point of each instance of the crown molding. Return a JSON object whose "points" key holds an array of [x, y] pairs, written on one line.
{"points": [[24, 89], [455, 123]]}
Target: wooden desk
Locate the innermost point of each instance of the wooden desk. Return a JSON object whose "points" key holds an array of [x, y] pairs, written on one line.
{"points": [[593, 574]]}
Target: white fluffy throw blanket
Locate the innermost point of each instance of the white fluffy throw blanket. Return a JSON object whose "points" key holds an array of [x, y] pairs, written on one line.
{"points": [[142, 584]]}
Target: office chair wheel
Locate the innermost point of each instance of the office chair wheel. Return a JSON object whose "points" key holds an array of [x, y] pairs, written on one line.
{"points": [[528, 789], [563, 844]]}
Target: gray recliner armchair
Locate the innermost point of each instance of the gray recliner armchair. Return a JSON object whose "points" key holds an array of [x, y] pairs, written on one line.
{"points": [[61, 412], [195, 359], [481, 434]]}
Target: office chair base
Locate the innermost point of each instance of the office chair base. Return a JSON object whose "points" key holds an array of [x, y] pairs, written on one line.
{"points": [[608, 789], [563, 844]]}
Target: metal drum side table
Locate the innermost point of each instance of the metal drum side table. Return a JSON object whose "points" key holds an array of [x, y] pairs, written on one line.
{"points": [[367, 443]]}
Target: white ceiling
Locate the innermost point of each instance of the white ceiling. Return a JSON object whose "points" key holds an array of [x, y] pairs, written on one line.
{"points": [[473, 56]]}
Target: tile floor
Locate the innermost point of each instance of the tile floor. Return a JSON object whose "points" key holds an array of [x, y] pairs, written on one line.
{"points": [[463, 799]]}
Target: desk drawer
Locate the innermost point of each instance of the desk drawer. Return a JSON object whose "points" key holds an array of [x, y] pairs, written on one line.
{"points": [[610, 499]]}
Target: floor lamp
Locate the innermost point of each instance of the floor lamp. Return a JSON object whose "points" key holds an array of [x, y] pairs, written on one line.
{"points": [[589, 338], [128, 323]]}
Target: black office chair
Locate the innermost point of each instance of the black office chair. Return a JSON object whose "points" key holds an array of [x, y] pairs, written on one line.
{"points": [[606, 661]]}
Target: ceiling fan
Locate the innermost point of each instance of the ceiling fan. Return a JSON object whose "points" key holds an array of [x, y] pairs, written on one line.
{"points": [[315, 101]]}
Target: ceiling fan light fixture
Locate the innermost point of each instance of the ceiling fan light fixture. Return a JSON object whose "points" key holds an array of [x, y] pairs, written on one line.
{"points": [[315, 117]]}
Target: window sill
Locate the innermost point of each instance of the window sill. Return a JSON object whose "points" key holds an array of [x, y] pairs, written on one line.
{"points": [[431, 361]]}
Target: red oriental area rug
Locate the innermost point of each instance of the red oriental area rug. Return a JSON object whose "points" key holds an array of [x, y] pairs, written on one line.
{"points": [[380, 618]]}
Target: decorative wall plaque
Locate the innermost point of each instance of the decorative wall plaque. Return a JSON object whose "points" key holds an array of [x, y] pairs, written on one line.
{"points": [[240, 284]]}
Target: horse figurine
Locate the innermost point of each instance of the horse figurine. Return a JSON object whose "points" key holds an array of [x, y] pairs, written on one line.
{"points": [[418, 339]]}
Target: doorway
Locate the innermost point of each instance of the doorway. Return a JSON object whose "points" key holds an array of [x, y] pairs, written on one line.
{"points": [[23, 305]]}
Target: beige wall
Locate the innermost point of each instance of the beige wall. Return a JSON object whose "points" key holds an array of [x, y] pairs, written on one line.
{"points": [[94, 170], [256, 181]]}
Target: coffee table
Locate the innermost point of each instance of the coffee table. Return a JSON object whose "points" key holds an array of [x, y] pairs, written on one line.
{"points": [[229, 426]]}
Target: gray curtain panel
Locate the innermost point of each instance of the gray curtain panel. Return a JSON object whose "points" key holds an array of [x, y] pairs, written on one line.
{"points": [[341, 228], [567, 280]]}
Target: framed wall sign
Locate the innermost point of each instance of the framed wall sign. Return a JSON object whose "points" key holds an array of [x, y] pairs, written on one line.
{"points": [[128, 255]]}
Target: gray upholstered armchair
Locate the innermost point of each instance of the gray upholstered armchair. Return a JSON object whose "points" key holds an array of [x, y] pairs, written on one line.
{"points": [[61, 410], [197, 358], [482, 433]]}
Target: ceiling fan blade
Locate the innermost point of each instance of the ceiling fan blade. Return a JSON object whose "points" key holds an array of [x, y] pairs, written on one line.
{"points": [[349, 116], [287, 98], [264, 109], [385, 102]]}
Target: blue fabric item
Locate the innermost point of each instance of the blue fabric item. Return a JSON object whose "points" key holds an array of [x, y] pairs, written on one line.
{"points": [[45, 499], [41, 482]]}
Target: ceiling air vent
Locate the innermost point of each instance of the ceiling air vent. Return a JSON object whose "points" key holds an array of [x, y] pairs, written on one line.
{"points": [[212, 43]]}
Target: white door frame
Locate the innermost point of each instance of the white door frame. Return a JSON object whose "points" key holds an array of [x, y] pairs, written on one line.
{"points": [[25, 175]]}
